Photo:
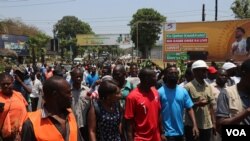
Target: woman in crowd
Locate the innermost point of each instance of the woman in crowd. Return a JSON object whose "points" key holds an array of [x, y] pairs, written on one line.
{"points": [[105, 115]]}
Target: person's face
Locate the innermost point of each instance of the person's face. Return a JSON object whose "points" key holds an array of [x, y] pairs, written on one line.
{"points": [[64, 97], [238, 33], [7, 86], [77, 77], [200, 73], [222, 77], [119, 75], [151, 79], [116, 96], [172, 75], [134, 71], [93, 70], [105, 71]]}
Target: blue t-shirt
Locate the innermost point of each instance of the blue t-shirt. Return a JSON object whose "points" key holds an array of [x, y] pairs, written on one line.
{"points": [[173, 103], [91, 79]]}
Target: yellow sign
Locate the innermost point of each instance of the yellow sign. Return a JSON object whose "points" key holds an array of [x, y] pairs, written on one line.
{"points": [[103, 39], [215, 41]]}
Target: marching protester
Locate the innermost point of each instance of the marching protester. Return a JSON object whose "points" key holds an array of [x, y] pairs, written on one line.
{"points": [[233, 105], [202, 97], [55, 121], [80, 101], [105, 114], [174, 99], [12, 109], [142, 109]]}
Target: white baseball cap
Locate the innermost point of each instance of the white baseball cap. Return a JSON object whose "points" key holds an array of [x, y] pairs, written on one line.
{"points": [[199, 64], [228, 65]]}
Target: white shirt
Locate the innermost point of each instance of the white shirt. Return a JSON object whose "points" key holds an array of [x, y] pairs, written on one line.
{"points": [[240, 47], [36, 88]]}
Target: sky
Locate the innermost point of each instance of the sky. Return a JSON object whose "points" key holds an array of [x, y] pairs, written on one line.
{"points": [[108, 16]]}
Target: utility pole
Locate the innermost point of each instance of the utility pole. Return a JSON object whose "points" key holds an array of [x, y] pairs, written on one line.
{"points": [[203, 12], [216, 10]]}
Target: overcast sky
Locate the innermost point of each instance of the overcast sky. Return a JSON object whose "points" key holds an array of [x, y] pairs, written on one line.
{"points": [[108, 16]]}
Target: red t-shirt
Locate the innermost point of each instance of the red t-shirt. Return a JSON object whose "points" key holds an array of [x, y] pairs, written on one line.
{"points": [[144, 108]]}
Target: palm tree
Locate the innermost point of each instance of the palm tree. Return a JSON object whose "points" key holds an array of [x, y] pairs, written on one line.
{"points": [[36, 43]]}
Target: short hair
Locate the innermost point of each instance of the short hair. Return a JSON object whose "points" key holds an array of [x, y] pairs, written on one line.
{"points": [[52, 84], [167, 68], [120, 68], [76, 70], [241, 29], [107, 88], [144, 72], [245, 67], [5, 75]]}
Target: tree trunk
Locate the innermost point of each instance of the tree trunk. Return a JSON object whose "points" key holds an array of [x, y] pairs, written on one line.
{"points": [[144, 52]]}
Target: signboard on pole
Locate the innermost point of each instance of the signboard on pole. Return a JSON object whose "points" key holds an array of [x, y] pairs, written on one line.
{"points": [[15, 43], [104, 39], [212, 41]]}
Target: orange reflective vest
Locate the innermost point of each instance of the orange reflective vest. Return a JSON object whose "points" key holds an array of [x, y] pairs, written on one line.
{"points": [[45, 130]]}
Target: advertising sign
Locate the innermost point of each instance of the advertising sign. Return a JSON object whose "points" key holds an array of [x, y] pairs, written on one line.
{"points": [[213, 41], [15, 43], [104, 39]]}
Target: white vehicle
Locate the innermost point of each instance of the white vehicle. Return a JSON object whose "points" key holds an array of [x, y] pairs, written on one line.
{"points": [[78, 60]]}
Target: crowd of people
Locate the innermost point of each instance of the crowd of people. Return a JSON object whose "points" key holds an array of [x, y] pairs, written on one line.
{"points": [[112, 103]]}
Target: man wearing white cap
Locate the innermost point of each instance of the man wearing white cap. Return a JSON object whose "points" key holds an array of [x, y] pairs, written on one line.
{"points": [[233, 105], [203, 99], [231, 71]]}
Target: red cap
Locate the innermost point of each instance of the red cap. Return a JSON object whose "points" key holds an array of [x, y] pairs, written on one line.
{"points": [[212, 70]]}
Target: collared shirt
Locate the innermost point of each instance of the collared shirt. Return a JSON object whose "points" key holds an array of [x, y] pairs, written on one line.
{"points": [[28, 133], [128, 87], [199, 91], [80, 105], [36, 88], [223, 109], [216, 89]]}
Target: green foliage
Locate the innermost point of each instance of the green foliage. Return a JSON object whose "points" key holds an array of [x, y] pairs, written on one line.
{"points": [[241, 9], [66, 30], [36, 45], [70, 26], [149, 23], [146, 64], [181, 64]]}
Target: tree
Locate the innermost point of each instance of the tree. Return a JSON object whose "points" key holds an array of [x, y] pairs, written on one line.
{"points": [[17, 27], [66, 30], [149, 23], [36, 44], [241, 9]]}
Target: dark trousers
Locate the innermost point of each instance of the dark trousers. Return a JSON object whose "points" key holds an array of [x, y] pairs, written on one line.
{"points": [[204, 135], [84, 133], [34, 102], [175, 138]]}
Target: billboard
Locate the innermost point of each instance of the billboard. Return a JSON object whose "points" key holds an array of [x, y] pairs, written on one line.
{"points": [[122, 40], [15, 43], [215, 41]]}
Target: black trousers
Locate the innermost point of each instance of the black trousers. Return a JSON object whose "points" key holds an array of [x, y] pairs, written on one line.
{"points": [[34, 102], [205, 134], [84, 133], [175, 138]]}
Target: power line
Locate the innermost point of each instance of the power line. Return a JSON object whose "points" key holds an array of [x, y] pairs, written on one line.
{"points": [[39, 4]]}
